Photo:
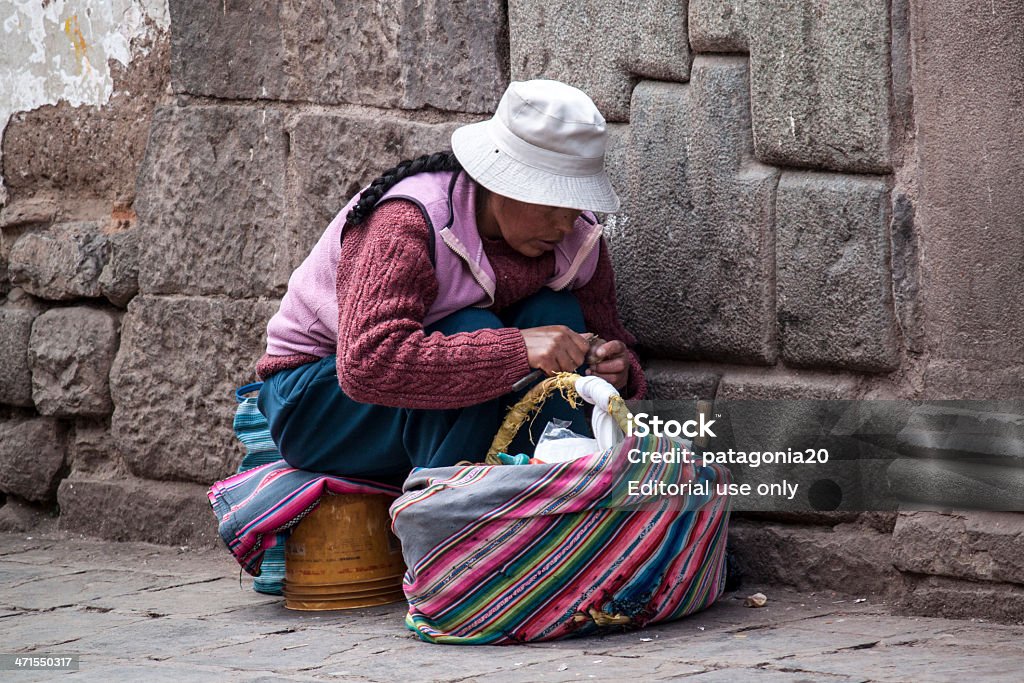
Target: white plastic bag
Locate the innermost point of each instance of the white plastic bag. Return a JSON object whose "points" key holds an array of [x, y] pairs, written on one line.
{"points": [[560, 444]]}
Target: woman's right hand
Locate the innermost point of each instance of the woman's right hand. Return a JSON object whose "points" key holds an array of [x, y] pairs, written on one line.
{"points": [[555, 348]]}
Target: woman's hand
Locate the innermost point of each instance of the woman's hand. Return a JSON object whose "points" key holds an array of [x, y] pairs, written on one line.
{"points": [[555, 348], [610, 362]]}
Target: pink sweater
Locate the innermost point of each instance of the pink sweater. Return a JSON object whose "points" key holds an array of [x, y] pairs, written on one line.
{"points": [[386, 284]]}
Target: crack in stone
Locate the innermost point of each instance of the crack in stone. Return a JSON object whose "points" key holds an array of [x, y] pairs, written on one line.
{"points": [[329, 655], [32, 562], [903, 643], [766, 666], [867, 646], [204, 649], [34, 579], [180, 585], [668, 662], [231, 610], [791, 622], [476, 676], [41, 610], [11, 553], [751, 627], [707, 669], [605, 653], [43, 646]]}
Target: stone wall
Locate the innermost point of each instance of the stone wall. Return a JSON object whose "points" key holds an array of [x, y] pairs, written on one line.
{"points": [[78, 85], [821, 200]]}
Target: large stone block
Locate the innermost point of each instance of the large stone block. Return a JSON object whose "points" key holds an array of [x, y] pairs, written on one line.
{"points": [[718, 26], [119, 281], [5, 276], [600, 47], [17, 516], [759, 385], [939, 596], [38, 209], [71, 351], [848, 559], [973, 545], [819, 76], [829, 519], [232, 198], [973, 483], [467, 41], [988, 431], [768, 410], [15, 372], [173, 383], [15, 219], [92, 452], [989, 378], [969, 203], [673, 381], [693, 249], [386, 54], [835, 304], [211, 203], [62, 263], [31, 457], [240, 55], [134, 510], [616, 161], [336, 155], [906, 273]]}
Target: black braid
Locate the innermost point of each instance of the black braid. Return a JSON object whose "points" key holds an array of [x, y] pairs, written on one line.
{"points": [[428, 163]]}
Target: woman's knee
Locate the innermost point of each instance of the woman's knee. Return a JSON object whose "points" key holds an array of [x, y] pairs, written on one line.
{"points": [[547, 307], [316, 427]]}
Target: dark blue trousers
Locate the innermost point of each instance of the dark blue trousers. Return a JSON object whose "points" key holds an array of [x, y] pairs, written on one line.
{"points": [[318, 428]]}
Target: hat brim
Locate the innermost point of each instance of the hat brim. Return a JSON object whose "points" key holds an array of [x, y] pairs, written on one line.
{"points": [[500, 173]]}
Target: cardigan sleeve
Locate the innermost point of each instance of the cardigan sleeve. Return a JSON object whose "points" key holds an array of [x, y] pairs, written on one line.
{"points": [[385, 287], [600, 312]]}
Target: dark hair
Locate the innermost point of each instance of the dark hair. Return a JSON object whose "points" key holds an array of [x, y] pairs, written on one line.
{"points": [[428, 163]]}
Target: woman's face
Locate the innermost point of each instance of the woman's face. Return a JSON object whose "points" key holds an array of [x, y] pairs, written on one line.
{"points": [[530, 229]]}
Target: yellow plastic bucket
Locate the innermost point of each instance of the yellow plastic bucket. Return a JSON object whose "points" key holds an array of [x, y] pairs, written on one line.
{"points": [[344, 556]]}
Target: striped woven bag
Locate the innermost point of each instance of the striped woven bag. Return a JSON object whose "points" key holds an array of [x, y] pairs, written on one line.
{"points": [[252, 430], [511, 554]]}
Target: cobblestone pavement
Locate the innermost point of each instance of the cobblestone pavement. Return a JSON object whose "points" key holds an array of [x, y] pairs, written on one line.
{"points": [[140, 612]]}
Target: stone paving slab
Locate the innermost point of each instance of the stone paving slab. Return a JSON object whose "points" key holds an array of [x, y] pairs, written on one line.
{"points": [[144, 612], [44, 631], [197, 598]]}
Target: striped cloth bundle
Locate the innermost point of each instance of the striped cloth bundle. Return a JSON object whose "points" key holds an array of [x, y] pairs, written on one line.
{"points": [[252, 430], [510, 554], [257, 507]]}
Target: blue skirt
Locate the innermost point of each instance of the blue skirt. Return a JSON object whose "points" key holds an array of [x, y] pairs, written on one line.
{"points": [[318, 428]]}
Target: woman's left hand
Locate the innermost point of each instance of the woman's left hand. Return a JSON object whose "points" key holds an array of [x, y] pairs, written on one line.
{"points": [[610, 362]]}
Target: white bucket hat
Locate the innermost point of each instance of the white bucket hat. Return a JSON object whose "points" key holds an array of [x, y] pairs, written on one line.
{"points": [[544, 145]]}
